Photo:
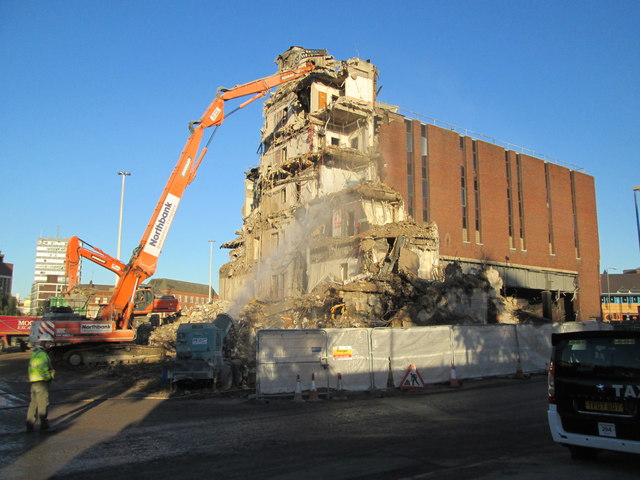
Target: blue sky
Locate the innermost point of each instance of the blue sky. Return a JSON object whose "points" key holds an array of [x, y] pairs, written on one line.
{"points": [[92, 87]]}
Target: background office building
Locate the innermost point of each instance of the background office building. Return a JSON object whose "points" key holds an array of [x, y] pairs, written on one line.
{"points": [[534, 220], [49, 273]]}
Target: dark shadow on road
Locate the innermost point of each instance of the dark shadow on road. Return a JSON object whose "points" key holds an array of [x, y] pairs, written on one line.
{"points": [[73, 394]]}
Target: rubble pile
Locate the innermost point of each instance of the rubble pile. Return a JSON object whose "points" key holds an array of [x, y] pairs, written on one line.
{"points": [[239, 342], [396, 299], [165, 335]]}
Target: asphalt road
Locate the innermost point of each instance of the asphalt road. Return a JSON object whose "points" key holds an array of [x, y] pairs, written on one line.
{"points": [[488, 429]]}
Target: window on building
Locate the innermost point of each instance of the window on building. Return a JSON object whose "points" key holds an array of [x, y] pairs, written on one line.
{"points": [[282, 117], [547, 181], [523, 245], [276, 287], [425, 190], [410, 191], [334, 98], [344, 271], [509, 198], [463, 192], [351, 224], [283, 195], [476, 198], [475, 155], [354, 143], [574, 209], [335, 141], [322, 100]]}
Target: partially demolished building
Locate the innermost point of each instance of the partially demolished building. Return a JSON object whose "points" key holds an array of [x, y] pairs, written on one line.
{"points": [[354, 212]]}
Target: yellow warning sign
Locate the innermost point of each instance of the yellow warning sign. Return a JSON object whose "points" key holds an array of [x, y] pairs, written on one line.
{"points": [[412, 379], [342, 353]]}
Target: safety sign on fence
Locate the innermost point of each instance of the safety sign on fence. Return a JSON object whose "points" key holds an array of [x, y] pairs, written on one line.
{"points": [[342, 353], [412, 379]]}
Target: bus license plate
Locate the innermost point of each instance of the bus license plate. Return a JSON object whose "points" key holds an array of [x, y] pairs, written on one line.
{"points": [[606, 429], [604, 406]]}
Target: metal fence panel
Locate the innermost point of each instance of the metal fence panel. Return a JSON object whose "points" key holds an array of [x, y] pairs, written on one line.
{"points": [[484, 350], [379, 358], [282, 355], [534, 346], [428, 348], [349, 354]]}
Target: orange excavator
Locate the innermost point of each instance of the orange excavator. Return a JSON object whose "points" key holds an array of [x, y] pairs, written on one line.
{"points": [[146, 302], [81, 340]]}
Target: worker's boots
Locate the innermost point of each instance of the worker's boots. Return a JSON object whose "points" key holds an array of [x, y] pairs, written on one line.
{"points": [[44, 426]]}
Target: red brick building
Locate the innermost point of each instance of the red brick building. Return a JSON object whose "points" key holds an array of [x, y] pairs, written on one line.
{"points": [[6, 276], [535, 221]]}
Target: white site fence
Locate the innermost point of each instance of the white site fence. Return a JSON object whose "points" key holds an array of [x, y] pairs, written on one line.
{"points": [[379, 358]]}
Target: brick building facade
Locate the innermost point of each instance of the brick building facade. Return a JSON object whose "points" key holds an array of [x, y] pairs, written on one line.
{"points": [[535, 221], [6, 276]]}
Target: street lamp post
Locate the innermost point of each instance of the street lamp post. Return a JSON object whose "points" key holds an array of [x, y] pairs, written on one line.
{"points": [[123, 174], [635, 199], [609, 288], [211, 242]]}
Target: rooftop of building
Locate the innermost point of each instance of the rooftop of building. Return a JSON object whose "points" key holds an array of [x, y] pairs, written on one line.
{"points": [[179, 286], [620, 282]]}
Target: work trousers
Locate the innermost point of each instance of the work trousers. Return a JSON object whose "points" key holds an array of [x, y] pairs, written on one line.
{"points": [[39, 405]]}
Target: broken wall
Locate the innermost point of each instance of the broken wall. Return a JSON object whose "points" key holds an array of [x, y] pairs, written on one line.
{"points": [[323, 240]]}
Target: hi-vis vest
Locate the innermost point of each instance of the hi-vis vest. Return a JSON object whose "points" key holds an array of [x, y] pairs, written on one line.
{"points": [[40, 366]]}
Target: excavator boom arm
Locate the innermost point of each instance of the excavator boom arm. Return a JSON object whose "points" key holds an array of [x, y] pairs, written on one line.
{"points": [[143, 261], [76, 250]]}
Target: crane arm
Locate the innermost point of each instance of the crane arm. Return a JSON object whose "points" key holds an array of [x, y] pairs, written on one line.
{"points": [[76, 250], [214, 114], [143, 261]]}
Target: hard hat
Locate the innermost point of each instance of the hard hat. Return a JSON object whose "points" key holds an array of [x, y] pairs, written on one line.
{"points": [[45, 337]]}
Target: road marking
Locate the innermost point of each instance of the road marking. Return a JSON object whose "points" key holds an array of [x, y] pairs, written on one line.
{"points": [[11, 400]]}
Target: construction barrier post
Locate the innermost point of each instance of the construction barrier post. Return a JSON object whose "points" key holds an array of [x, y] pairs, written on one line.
{"points": [[339, 392], [297, 396], [313, 394], [454, 377], [519, 372]]}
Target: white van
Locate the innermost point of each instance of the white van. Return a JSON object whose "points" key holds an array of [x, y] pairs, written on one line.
{"points": [[594, 391]]}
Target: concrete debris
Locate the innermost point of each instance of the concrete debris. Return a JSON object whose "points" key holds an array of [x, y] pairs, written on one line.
{"points": [[396, 299]]}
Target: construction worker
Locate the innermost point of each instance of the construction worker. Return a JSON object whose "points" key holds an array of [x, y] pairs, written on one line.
{"points": [[41, 374]]}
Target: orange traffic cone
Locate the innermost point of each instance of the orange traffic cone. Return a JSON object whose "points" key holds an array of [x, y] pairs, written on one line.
{"points": [[454, 377], [519, 372], [297, 396], [313, 394]]}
